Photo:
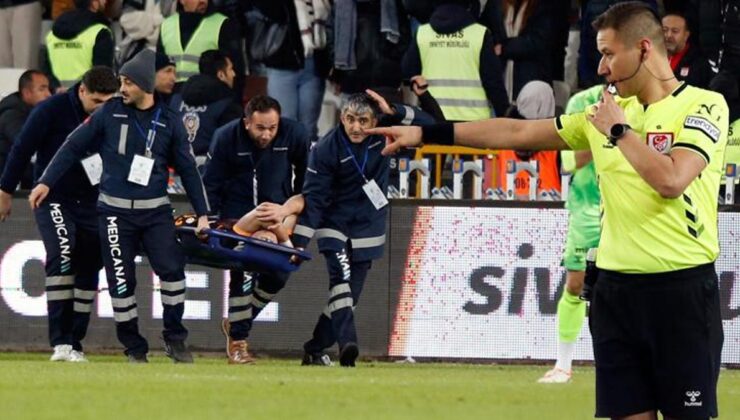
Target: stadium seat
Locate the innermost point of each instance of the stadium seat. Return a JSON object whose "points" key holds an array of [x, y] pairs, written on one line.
{"points": [[9, 80]]}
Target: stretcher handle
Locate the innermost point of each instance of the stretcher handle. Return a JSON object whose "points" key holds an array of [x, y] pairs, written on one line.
{"points": [[215, 234]]}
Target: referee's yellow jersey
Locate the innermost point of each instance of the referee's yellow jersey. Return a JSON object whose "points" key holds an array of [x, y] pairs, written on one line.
{"points": [[641, 231]]}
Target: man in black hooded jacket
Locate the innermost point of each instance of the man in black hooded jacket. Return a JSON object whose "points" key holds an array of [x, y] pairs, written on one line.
{"points": [[207, 101]]}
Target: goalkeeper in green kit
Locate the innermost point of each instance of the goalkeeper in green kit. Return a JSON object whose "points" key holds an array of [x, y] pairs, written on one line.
{"points": [[584, 231]]}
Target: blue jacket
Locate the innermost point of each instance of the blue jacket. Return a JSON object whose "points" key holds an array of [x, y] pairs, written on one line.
{"points": [[44, 132], [118, 132], [337, 208], [230, 171]]}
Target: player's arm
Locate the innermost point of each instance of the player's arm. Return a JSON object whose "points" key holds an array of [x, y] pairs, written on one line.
{"points": [[495, 133], [669, 175]]}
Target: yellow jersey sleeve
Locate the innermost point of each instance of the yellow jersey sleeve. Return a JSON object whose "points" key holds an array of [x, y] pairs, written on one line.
{"points": [[573, 130], [705, 127]]}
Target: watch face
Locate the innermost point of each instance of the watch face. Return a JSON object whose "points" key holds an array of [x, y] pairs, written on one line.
{"points": [[617, 130]]}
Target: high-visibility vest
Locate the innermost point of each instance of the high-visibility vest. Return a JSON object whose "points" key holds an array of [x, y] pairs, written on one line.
{"points": [[203, 39], [451, 65], [71, 58], [549, 177]]}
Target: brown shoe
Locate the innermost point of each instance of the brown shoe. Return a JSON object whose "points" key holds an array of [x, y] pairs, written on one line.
{"points": [[238, 353]]}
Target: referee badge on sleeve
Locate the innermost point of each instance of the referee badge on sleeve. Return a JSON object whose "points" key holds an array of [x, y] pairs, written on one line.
{"points": [[660, 142]]}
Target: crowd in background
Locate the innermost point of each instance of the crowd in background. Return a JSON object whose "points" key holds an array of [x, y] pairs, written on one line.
{"points": [[308, 53]]}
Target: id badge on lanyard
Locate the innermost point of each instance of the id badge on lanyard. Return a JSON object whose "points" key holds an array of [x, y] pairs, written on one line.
{"points": [[371, 188], [142, 166], [93, 166]]}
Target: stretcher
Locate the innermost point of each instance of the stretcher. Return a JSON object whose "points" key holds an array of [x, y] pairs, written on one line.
{"points": [[230, 251]]}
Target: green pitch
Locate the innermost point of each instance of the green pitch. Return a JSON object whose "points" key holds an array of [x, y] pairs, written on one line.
{"points": [[107, 388]]}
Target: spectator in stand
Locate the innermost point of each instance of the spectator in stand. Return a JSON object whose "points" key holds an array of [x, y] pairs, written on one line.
{"points": [[526, 50], [297, 70], [367, 41], [20, 28], [140, 22], [207, 101], [194, 29], [453, 36], [536, 101], [79, 40], [33, 87], [165, 78], [687, 61]]}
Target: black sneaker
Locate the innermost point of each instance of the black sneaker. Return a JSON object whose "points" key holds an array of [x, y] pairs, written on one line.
{"points": [[137, 358], [316, 359], [177, 351], [348, 354]]}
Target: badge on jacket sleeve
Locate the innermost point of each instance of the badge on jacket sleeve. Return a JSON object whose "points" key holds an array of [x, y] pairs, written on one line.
{"points": [[375, 194]]}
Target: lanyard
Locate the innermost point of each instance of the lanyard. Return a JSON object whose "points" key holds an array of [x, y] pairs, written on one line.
{"points": [[361, 169], [149, 136], [255, 181]]}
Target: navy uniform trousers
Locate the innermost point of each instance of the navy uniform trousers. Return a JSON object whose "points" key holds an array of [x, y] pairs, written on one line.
{"points": [[123, 233], [249, 293], [69, 232], [337, 322]]}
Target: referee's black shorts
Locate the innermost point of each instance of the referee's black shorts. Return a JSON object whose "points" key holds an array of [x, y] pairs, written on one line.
{"points": [[657, 343]]}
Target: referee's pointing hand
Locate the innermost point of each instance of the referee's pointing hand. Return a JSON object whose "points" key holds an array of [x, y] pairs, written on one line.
{"points": [[606, 113], [397, 137]]}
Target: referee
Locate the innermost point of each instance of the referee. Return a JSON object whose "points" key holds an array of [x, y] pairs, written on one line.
{"points": [[658, 149]]}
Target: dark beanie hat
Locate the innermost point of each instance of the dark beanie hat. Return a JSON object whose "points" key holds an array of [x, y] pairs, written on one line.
{"points": [[162, 61], [140, 70]]}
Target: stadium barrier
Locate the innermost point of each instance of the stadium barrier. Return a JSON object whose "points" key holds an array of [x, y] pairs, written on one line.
{"points": [[459, 279]]}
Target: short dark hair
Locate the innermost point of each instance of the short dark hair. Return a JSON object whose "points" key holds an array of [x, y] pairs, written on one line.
{"points": [[26, 79], [680, 14], [632, 20], [100, 79], [261, 103], [212, 61]]}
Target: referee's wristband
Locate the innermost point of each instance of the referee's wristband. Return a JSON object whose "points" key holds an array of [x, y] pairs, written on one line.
{"points": [[443, 133]]}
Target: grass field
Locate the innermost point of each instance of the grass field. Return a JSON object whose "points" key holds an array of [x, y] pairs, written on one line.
{"points": [[31, 387]]}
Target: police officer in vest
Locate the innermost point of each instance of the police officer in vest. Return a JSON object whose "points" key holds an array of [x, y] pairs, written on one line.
{"points": [[195, 29], [136, 138], [345, 209], [79, 40], [67, 220], [258, 159], [466, 90], [207, 101]]}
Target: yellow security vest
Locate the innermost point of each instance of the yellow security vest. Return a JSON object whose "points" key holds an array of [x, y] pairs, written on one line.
{"points": [[203, 39], [732, 152], [71, 58], [451, 65]]}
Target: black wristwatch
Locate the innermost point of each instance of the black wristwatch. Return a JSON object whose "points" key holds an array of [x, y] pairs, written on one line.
{"points": [[617, 132]]}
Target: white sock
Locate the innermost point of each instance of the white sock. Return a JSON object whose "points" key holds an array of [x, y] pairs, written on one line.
{"points": [[565, 356]]}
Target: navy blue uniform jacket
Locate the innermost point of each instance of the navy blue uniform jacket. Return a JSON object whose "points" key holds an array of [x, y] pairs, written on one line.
{"points": [[112, 131], [234, 160], [44, 132], [337, 209]]}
